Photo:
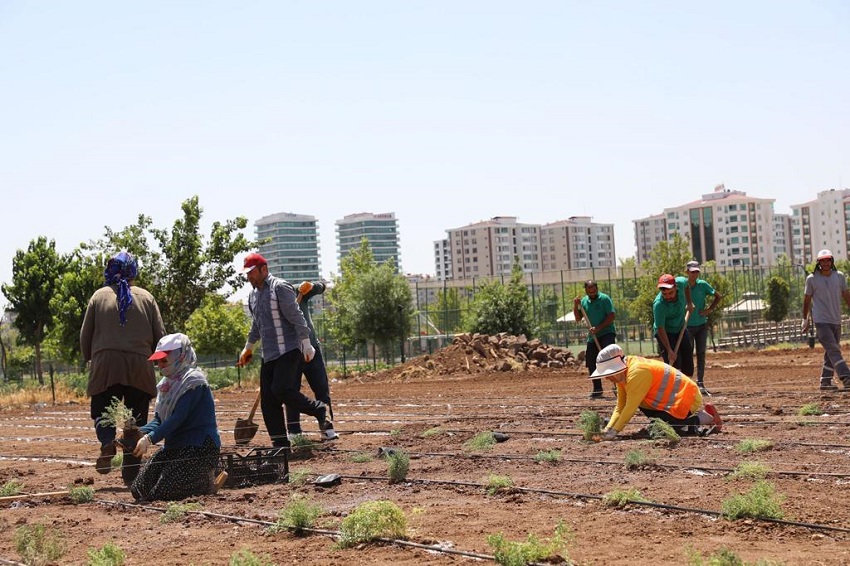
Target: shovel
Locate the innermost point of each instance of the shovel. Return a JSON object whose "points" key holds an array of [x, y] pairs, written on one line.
{"points": [[247, 428]]}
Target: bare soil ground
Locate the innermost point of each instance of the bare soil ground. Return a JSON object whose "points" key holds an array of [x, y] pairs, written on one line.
{"points": [[759, 395]]}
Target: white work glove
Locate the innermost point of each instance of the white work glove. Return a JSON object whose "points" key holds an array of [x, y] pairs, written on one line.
{"points": [[609, 434], [245, 357], [804, 325], [142, 446], [308, 350]]}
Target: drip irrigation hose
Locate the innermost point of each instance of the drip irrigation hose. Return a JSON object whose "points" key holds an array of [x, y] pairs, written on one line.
{"points": [[335, 534]]}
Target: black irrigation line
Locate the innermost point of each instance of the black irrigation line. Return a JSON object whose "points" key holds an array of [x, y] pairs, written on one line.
{"points": [[812, 526], [463, 456], [336, 534]]}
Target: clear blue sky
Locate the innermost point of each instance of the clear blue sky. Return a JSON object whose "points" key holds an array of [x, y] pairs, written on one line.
{"points": [[444, 112]]}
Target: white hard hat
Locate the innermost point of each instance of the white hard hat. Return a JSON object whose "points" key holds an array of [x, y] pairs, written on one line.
{"points": [[609, 360], [824, 254]]}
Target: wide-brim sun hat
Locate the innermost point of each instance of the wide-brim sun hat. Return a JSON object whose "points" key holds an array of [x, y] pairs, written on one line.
{"points": [[609, 361]]}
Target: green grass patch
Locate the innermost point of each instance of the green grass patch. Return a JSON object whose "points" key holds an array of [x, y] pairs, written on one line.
{"points": [[810, 409], [300, 476], [11, 487], [533, 549], [481, 442], [361, 457], [750, 445], [637, 459], [436, 431], [300, 441], [37, 545], [245, 557], [723, 557], [622, 497], [299, 514], [495, 483], [550, 456], [396, 432], [590, 424], [660, 430], [177, 511], [749, 471], [761, 501], [81, 494], [109, 554], [372, 520], [398, 464]]}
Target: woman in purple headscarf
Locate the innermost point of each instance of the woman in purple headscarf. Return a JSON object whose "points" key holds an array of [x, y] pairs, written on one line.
{"points": [[120, 330]]}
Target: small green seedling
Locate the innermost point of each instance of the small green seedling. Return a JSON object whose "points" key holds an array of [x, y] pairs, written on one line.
{"points": [[481, 442], [622, 497], [749, 445], [372, 520], [590, 424], [496, 483], [109, 554], [299, 514], [761, 501], [749, 471]]}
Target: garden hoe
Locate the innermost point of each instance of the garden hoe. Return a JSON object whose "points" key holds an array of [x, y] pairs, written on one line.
{"points": [[245, 429]]}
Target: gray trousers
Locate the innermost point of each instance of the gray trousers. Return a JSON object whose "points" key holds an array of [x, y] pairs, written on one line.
{"points": [[829, 336]]}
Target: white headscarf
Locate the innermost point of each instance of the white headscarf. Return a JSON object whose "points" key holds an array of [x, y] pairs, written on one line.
{"points": [[179, 376]]}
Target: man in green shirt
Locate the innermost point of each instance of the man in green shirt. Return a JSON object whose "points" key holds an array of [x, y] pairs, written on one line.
{"points": [[600, 318]]}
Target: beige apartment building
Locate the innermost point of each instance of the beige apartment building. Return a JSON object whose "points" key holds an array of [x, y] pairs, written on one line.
{"points": [[821, 223]]}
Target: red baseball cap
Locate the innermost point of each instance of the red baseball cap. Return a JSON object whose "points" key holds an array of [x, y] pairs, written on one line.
{"points": [[165, 345], [252, 260], [666, 281]]}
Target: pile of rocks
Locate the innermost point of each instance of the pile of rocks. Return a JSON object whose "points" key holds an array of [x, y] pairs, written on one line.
{"points": [[506, 352]]}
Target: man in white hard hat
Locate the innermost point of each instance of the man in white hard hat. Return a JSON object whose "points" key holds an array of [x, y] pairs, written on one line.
{"points": [[825, 288], [659, 390]]}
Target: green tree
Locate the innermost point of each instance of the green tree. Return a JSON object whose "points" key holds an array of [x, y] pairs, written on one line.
{"points": [[35, 275], [370, 302], [778, 299], [546, 309], [183, 267], [446, 312], [83, 277], [217, 327], [666, 257], [501, 308]]}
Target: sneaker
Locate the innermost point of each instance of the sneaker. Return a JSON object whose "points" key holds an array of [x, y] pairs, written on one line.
{"points": [[718, 422], [703, 390], [827, 385], [596, 395], [328, 432], [104, 461]]}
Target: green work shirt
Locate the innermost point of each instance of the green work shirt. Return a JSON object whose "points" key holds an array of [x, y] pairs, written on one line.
{"points": [[598, 310], [699, 292], [670, 315]]}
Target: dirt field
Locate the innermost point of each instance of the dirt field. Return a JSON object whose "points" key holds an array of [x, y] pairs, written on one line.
{"points": [[758, 394]]}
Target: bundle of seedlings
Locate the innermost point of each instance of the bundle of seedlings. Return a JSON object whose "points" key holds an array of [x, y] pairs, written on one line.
{"points": [[117, 414]]}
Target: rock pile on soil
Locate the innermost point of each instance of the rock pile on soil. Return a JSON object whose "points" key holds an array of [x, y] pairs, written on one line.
{"points": [[479, 353]]}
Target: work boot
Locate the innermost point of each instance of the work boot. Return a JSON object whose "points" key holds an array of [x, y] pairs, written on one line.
{"points": [[827, 385], [104, 461], [702, 389], [328, 432], [718, 422]]}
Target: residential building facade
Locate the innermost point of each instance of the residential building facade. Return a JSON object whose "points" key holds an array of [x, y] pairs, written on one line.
{"points": [[819, 224], [381, 231], [577, 243], [292, 249]]}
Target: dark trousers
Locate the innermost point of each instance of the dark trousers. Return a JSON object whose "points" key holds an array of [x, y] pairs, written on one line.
{"points": [[684, 355], [280, 384], [134, 399], [592, 352], [829, 336], [699, 335], [691, 421], [317, 379]]}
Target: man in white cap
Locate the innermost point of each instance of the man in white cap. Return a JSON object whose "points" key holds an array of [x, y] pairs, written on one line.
{"points": [[659, 390], [698, 321], [825, 288]]}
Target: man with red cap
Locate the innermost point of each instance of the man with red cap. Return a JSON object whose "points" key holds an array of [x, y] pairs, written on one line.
{"points": [[670, 313], [278, 321], [825, 288]]}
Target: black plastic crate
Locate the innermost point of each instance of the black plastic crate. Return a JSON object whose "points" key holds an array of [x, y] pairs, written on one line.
{"points": [[258, 466]]}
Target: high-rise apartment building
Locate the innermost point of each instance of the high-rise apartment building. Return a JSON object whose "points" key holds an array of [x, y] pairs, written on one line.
{"points": [[488, 248], [821, 223], [726, 226], [577, 243], [381, 231], [292, 249], [443, 259], [648, 232]]}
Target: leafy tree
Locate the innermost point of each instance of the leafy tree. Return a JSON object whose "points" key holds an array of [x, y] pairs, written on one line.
{"points": [[369, 301], [778, 299], [35, 275], [501, 308], [547, 308], [666, 257], [446, 312], [217, 327], [83, 277], [183, 267]]}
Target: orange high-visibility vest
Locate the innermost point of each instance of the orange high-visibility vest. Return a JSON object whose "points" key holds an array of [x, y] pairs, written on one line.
{"points": [[671, 391]]}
